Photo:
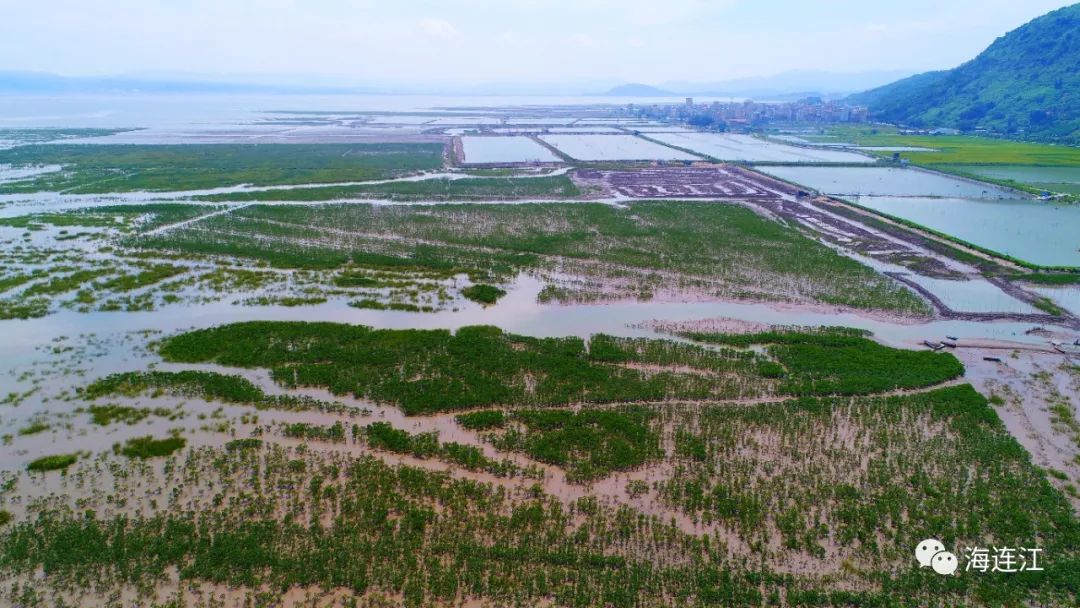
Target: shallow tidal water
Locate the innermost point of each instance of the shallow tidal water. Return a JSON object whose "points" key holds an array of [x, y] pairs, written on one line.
{"points": [[518, 312], [886, 181], [34, 353], [1039, 232]]}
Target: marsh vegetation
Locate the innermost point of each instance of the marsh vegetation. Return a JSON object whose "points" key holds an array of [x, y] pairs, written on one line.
{"points": [[125, 168], [640, 251], [265, 463]]}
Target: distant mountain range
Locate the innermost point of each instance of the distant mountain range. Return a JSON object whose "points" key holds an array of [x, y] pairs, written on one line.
{"points": [[638, 90], [1026, 83], [793, 84], [788, 85], [780, 87], [41, 82]]}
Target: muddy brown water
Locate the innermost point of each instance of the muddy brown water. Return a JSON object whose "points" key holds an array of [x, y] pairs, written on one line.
{"points": [[117, 341]]}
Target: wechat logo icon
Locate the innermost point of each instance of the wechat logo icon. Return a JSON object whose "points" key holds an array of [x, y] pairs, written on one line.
{"points": [[932, 554]]}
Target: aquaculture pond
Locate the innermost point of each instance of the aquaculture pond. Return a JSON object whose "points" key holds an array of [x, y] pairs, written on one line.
{"points": [[733, 147], [569, 130], [1053, 179], [510, 149], [886, 181], [614, 147], [1038, 232], [973, 295], [1065, 297]]}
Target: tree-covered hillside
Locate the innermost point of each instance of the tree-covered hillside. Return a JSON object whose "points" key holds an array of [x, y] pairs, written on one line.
{"points": [[1027, 83]]}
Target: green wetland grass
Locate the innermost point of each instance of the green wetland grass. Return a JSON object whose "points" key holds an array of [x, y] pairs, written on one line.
{"points": [[383, 436], [958, 149], [809, 502], [588, 444], [210, 386], [45, 278], [70, 219], [701, 247], [104, 415], [433, 371], [52, 463], [149, 276], [482, 420], [372, 304], [1072, 278], [554, 186], [66, 283], [12, 281], [920, 451], [40, 278], [840, 362], [393, 258], [303, 430], [426, 371], [148, 447], [249, 443], [31, 135], [484, 294], [423, 371], [23, 308], [93, 169], [34, 428], [811, 494]]}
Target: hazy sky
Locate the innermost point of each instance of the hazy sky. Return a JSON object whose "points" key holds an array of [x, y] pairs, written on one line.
{"points": [[478, 41]]}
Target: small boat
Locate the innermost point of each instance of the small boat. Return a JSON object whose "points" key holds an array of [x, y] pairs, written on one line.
{"points": [[992, 359], [949, 344], [932, 345], [953, 338]]}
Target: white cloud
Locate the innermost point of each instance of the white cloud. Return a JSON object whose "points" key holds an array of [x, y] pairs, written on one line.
{"points": [[440, 29], [583, 40]]}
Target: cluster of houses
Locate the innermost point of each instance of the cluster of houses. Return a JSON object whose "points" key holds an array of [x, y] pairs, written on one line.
{"points": [[721, 115]]}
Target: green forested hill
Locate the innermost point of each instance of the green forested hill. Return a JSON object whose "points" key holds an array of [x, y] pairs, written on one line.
{"points": [[1025, 83]]}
